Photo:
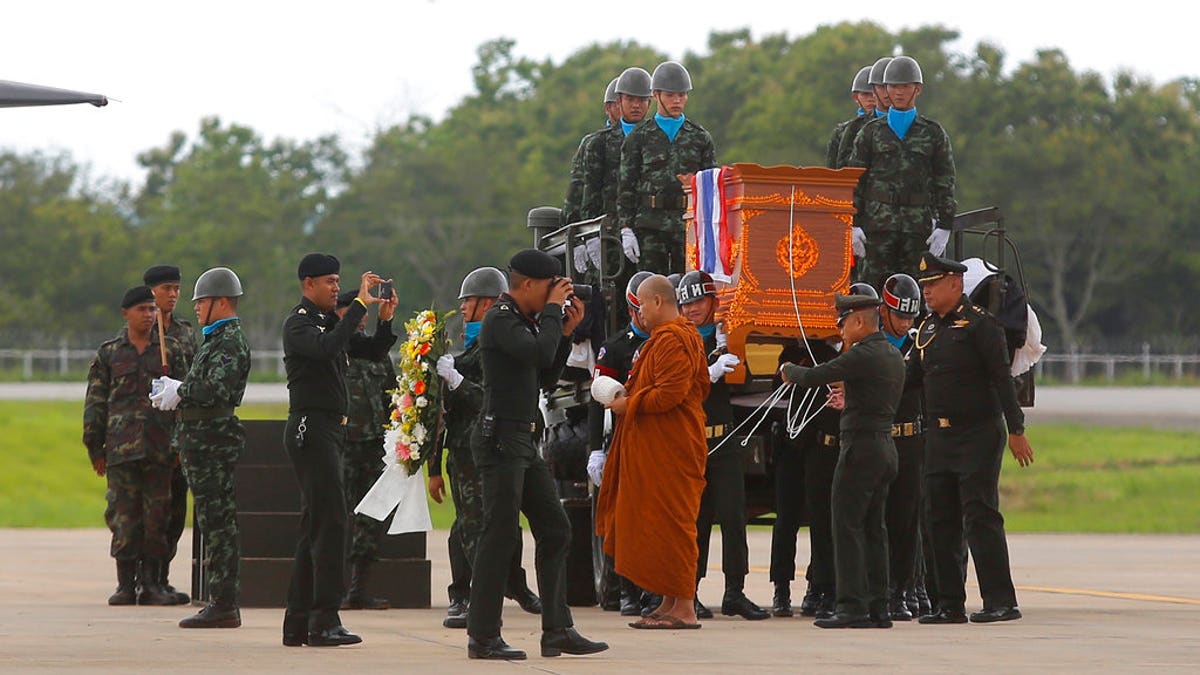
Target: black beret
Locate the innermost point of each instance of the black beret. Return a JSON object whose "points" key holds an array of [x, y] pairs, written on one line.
{"points": [[932, 268], [318, 265], [346, 297], [161, 274], [535, 264], [136, 296], [846, 304]]}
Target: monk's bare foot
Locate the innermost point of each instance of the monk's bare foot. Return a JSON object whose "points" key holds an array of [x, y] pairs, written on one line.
{"points": [[682, 609], [667, 606]]}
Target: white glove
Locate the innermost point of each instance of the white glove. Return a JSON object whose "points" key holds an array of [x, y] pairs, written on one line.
{"points": [[724, 364], [580, 254], [595, 467], [629, 244], [167, 397], [858, 242], [937, 241], [593, 251], [446, 371], [722, 338]]}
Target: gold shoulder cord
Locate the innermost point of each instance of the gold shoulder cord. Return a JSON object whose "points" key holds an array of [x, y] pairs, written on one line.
{"points": [[917, 340]]}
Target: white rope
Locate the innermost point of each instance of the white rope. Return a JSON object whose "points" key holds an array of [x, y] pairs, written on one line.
{"points": [[764, 409], [794, 430]]}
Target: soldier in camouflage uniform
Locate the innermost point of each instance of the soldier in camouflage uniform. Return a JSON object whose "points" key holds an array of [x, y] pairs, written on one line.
{"points": [[602, 164], [129, 443], [650, 198], [464, 397], [841, 143], [369, 376], [210, 438], [163, 281], [909, 178], [571, 212]]}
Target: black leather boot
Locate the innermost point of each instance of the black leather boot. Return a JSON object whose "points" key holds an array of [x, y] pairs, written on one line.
{"points": [[126, 593], [812, 598], [735, 603], [214, 615], [150, 591], [631, 599], [924, 605], [334, 636], [782, 606], [178, 597], [357, 596], [456, 614], [827, 603], [898, 607], [558, 641], [493, 648], [527, 599]]}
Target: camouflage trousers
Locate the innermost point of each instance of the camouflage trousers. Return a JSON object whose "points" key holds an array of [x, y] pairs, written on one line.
{"points": [[139, 507], [210, 450], [467, 493], [361, 467], [889, 252], [662, 251]]}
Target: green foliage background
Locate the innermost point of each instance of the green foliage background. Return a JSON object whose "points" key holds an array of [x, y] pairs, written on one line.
{"points": [[1093, 172]]}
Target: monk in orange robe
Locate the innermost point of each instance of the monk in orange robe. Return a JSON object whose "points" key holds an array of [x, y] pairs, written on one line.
{"points": [[654, 475]]}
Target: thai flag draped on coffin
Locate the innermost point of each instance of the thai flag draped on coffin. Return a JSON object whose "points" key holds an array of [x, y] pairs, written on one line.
{"points": [[714, 246]]}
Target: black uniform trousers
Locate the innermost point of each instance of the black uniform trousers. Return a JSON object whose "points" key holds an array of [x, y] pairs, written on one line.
{"points": [[904, 510], [460, 562], [724, 502], [789, 510], [866, 467], [318, 574], [962, 476], [820, 461], [515, 480]]}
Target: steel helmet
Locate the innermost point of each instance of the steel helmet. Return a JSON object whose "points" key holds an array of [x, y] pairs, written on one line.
{"points": [[485, 282], [218, 282], [631, 289], [862, 288], [902, 295], [877, 70], [610, 93], [634, 82], [695, 285], [671, 76], [903, 70], [862, 81]]}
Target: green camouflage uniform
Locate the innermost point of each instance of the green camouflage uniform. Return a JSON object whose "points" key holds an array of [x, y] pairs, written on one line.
{"points": [[650, 197], [907, 182], [601, 174], [845, 142], [571, 211], [210, 449], [368, 406], [835, 142], [121, 427], [186, 337]]}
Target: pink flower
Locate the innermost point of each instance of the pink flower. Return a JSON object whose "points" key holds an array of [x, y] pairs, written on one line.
{"points": [[402, 451], [407, 401]]}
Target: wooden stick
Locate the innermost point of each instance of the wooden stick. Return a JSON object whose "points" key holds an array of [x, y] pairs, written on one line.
{"points": [[162, 343]]}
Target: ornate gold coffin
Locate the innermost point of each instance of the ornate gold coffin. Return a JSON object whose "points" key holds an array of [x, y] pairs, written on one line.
{"points": [[790, 228]]}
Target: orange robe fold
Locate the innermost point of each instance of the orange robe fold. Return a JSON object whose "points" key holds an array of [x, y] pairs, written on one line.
{"points": [[654, 475]]}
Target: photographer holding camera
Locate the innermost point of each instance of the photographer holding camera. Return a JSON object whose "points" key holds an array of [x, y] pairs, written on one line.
{"points": [[523, 343]]}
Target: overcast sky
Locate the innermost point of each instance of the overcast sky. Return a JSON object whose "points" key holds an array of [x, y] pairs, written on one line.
{"points": [[302, 69]]}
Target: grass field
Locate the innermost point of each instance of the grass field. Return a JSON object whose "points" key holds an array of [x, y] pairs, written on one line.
{"points": [[1084, 479]]}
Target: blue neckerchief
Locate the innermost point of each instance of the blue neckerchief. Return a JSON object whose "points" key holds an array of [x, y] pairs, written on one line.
{"points": [[638, 332], [707, 330], [901, 120], [208, 330], [861, 112], [471, 332], [880, 113], [627, 127], [897, 342], [669, 125]]}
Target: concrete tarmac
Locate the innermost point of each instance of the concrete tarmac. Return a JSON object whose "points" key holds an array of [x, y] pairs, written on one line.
{"points": [[1114, 603]]}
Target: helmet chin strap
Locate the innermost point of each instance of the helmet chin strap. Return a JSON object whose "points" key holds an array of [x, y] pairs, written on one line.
{"points": [[208, 314]]}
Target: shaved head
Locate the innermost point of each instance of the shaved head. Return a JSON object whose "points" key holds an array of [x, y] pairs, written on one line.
{"points": [[657, 296]]}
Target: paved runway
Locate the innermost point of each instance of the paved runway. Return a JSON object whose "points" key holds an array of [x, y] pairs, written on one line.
{"points": [[1112, 603], [1162, 407]]}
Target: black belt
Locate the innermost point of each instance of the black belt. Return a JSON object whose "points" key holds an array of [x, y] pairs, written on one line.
{"points": [[665, 200], [196, 414], [906, 429], [827, 440], [902, 199], [949, 422], [515, 427], [340, 420]]}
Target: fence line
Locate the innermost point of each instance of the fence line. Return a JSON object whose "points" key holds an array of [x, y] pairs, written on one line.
{"points": [[1071, 366]]}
